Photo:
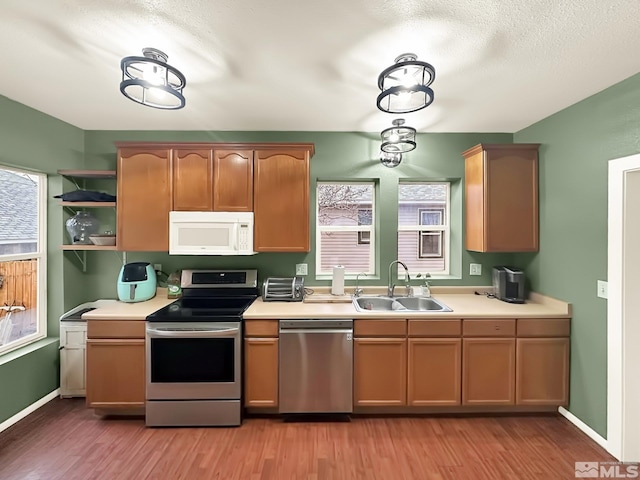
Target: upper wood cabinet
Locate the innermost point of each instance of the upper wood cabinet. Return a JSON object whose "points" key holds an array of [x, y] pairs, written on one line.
{"points": [[501, 198], [270, 179], [233, 180], [144, 198], [281, 200], [193, 179], [207, 179]]}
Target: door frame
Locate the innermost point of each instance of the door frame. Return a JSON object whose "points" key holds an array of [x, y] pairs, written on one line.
{"points": [[623, 383]]}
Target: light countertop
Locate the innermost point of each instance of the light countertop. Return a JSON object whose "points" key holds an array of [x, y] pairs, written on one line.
{"points": [[462, 300], [130, 311]]}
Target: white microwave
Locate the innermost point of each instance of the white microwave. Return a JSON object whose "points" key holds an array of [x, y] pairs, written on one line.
{"points": [[211, 233]]}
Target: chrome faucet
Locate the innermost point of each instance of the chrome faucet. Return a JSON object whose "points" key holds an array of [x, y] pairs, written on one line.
{"points": [[358, 291], [407, 279]]}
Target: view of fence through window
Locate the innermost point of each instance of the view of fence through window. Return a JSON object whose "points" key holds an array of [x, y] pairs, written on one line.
{"points": [[345, 226], [21, 257], [423, 226]]}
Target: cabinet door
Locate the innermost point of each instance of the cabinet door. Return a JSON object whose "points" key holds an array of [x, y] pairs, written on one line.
{"points": [[281, 201], [233, 180], [144, 199], [501, 197], [488, 371], [434, 371], [193, 180], [542, 371], [72, 360], [379, 371], [115, 373], [261, 372]]}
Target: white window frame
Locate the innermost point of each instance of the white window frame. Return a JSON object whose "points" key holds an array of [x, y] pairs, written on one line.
{"points": [[423, 234], [444, 229], [320, 274], [41, 255]]}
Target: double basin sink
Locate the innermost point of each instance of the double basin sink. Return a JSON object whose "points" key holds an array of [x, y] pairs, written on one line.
{"points": [[399, 304]]}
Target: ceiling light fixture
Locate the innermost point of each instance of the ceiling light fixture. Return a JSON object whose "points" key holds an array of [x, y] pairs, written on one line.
{"points": [[151, 81], [405, 85], [398, 139], [390, 160]]}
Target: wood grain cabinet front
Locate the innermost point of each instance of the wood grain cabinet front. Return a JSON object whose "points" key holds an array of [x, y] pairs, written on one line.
{"points": [[281, 200], [261, 357], [115, 373], [501, 198], [261, 372], [488, 371], [434, 371], [144, 199], [116, 364], [379, 372], [542, 362], [207, 178], [233, 180], [193, 179]]}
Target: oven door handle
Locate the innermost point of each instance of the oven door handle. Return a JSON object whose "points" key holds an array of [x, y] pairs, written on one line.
{"points": [[225, 332]]}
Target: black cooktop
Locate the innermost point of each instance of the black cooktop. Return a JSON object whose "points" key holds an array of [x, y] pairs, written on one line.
{"points": [[203, 309]]}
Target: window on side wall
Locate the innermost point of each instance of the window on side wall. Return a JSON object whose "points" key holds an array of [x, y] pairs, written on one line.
{"points": [[423, 226], [345, 227], [22, 258]]}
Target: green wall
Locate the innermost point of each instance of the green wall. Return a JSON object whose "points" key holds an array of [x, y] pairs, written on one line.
{"points": [[338, 156], [576, 146], [35, 141]]}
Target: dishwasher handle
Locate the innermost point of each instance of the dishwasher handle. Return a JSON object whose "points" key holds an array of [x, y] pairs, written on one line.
{"points": [[316, 324], [311, 331]]}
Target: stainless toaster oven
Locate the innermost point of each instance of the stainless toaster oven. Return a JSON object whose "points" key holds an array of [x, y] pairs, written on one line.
{"points": [[283, 289]]}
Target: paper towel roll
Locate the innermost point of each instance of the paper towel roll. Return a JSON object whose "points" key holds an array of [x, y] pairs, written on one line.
{"points": [[337, 280]]}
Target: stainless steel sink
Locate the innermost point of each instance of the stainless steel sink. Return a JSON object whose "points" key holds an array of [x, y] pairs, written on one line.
{"points": [[402, 304]]}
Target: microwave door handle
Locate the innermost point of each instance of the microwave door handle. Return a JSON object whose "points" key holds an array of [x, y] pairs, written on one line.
{"points": [[225, 332]]}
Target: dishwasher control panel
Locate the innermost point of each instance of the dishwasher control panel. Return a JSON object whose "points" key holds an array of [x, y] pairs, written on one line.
{"points": [[315, 324]]}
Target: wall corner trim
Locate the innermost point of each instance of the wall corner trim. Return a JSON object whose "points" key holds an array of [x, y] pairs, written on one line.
{"points": [[586, 429], [30, 409]]}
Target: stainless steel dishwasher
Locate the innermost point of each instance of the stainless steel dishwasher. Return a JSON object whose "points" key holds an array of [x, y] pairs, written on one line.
{"points": [[316, 366]]}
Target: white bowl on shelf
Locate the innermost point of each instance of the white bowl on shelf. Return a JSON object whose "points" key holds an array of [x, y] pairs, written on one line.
{"points": [[103, 239]]}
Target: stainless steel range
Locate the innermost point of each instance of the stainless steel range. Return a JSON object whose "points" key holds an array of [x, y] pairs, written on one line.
{"points": [[193, 349]]}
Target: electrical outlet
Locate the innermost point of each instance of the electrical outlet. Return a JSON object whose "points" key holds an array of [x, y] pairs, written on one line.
{"points": [[475, 269], [301, 269], [603, 289], [157, 267]]}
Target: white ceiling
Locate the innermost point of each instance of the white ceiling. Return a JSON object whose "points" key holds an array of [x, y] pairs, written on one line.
{"points": [[305, 65]]}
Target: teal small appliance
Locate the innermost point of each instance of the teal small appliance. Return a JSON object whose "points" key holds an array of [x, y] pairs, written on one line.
{"points": [[136, 282]]}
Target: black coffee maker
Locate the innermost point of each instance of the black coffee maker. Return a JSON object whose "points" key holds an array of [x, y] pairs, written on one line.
{"points": [[508, 284]]}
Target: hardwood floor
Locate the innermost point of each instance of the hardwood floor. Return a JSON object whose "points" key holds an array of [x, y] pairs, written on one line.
{"points": [[64, 440]]}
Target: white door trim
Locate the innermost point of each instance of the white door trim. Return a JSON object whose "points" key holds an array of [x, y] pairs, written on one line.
{"points": [[620, 370]]}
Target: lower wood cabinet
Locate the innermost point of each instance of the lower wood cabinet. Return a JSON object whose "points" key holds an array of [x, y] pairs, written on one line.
{"points": [[432, 363], [542, 371], [261, 372], [116, 364], [261, 357], [434, 371], [380, 371], [115, 373], [488, 371]]}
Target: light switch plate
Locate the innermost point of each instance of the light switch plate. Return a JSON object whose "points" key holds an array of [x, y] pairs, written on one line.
{"points": [[603, 289], [301, 269], [475, 269]]}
